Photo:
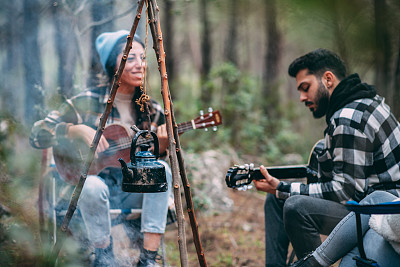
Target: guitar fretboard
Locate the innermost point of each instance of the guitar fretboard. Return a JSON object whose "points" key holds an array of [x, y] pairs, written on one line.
{"points": [[284, 172], [125, 142]]}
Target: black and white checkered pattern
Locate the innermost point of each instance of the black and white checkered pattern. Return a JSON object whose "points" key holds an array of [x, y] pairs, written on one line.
{"points": [[362, 149]]}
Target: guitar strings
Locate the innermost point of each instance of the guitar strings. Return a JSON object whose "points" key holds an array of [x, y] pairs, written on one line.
{"points": [[125, 142]]}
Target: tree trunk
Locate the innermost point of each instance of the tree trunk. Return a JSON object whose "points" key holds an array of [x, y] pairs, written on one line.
{"points": [[396, 85], [206, 93], [11, 34], [169, 46], [231, 43], [99, 10], [383, 50], [340, 35], [66, 50], [272, 61], [32, 61]]}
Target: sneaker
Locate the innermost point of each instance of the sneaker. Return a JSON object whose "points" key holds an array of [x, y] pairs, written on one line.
{"points": [[307, 261], [104, 256], [148, 263], [147, 258]]}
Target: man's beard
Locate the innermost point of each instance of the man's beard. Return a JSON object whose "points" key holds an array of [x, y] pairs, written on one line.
{"points": [[322, 101]]}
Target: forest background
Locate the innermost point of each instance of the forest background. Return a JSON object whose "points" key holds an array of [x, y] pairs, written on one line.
{"points": [[231, 55]]}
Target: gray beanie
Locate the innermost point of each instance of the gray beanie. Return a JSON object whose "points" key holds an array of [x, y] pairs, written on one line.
{"points": [[108, 47]]}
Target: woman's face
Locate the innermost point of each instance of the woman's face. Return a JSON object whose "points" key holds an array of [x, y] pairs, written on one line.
{"points": [[134, 67]]}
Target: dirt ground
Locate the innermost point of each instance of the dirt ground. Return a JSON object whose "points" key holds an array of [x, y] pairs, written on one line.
{"points": [[228, 239]]}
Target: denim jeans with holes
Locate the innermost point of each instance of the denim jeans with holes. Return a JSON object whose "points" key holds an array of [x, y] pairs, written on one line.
{"points": [[99, 195]]}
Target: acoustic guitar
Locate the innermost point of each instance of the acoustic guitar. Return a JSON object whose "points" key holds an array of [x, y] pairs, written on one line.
{"points": [[240, 176], [71, 154]]}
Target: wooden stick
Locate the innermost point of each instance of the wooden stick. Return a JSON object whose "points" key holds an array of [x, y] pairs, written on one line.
{"points": [[188, 196], [43, 168], [158, 44], [152, 10], [78, 188]]}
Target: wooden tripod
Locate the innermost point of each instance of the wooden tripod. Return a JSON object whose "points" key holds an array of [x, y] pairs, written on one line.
{"points": [[175, 153]]}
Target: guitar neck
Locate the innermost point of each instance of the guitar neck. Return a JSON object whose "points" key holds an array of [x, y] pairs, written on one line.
{"points": [[282, 172], [186, 126], [182, 127]]}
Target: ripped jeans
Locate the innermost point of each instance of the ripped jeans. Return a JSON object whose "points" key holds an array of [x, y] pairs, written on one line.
{"points": [[100, 195]]}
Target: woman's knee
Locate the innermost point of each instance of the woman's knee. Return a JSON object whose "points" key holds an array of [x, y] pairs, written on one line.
{"points": [[95, 189], [377, 197]]}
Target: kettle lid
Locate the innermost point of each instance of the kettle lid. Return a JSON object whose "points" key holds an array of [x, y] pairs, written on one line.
{"points": [[144, 153]]}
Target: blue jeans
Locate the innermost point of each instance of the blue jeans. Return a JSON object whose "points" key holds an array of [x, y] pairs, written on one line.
{"points": [[342, 242], [99, 195], [300, 219]]}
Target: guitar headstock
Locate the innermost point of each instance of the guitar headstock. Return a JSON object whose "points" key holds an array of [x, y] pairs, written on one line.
{"points": [[240, 177], [204, 121]]}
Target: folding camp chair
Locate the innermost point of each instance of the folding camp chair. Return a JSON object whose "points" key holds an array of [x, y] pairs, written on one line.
{"points": [[382, 208]]}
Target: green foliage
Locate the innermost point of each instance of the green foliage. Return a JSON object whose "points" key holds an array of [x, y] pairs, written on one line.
{"points": [[245, 125], [225, 260]]}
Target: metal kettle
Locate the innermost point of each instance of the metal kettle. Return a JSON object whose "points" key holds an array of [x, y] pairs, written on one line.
{"points": [[144, 174]]}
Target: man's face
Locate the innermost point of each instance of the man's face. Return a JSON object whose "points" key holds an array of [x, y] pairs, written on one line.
{"points": [[134, 67], [313, 93]]}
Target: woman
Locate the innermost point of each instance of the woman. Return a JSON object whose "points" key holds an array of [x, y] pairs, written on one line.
{"points": [[78, 118]]}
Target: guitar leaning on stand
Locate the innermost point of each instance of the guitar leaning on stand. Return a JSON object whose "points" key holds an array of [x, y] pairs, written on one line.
{"points": [[239, 177], [70, 155]]}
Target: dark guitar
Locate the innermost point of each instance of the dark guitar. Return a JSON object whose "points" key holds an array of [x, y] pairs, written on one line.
{"points": [[241, 176], [70, 156]]}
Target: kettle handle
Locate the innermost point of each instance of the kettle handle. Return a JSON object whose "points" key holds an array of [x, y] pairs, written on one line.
{"points": [[135, 138]]}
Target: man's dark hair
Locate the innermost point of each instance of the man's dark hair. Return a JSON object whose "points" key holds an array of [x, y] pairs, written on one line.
{"points": [[317, 62]]}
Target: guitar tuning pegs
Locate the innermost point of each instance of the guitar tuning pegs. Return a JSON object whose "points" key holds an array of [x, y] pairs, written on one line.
{"points": [[210, 110], [206, 129], [251, 166], [244, 187], [215, 128], [246, 166]]}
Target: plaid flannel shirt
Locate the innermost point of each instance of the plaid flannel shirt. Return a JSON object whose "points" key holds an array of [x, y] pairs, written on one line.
{"points": [[84, 108], [361, 150]]}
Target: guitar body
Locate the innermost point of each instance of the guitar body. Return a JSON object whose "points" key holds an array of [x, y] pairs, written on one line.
{"points": [[71, 154]]}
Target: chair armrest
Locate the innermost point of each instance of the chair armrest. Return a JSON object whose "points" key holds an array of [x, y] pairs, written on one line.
{"points": [[382, 208]]}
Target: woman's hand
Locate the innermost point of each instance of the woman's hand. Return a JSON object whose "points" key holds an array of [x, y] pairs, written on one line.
{"points": [[162, 138], [86, 134], [269, 184]]}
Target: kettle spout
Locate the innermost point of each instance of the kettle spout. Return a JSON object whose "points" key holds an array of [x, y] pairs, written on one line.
{"points": [[126, 172]]}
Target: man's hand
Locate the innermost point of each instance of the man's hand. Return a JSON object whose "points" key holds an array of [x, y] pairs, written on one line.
{"points": [[269, 184], [87, 134], [162, 138]]}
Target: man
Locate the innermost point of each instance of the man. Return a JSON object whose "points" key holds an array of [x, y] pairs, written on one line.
{"points": [[361, 154], [78, 118]]}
